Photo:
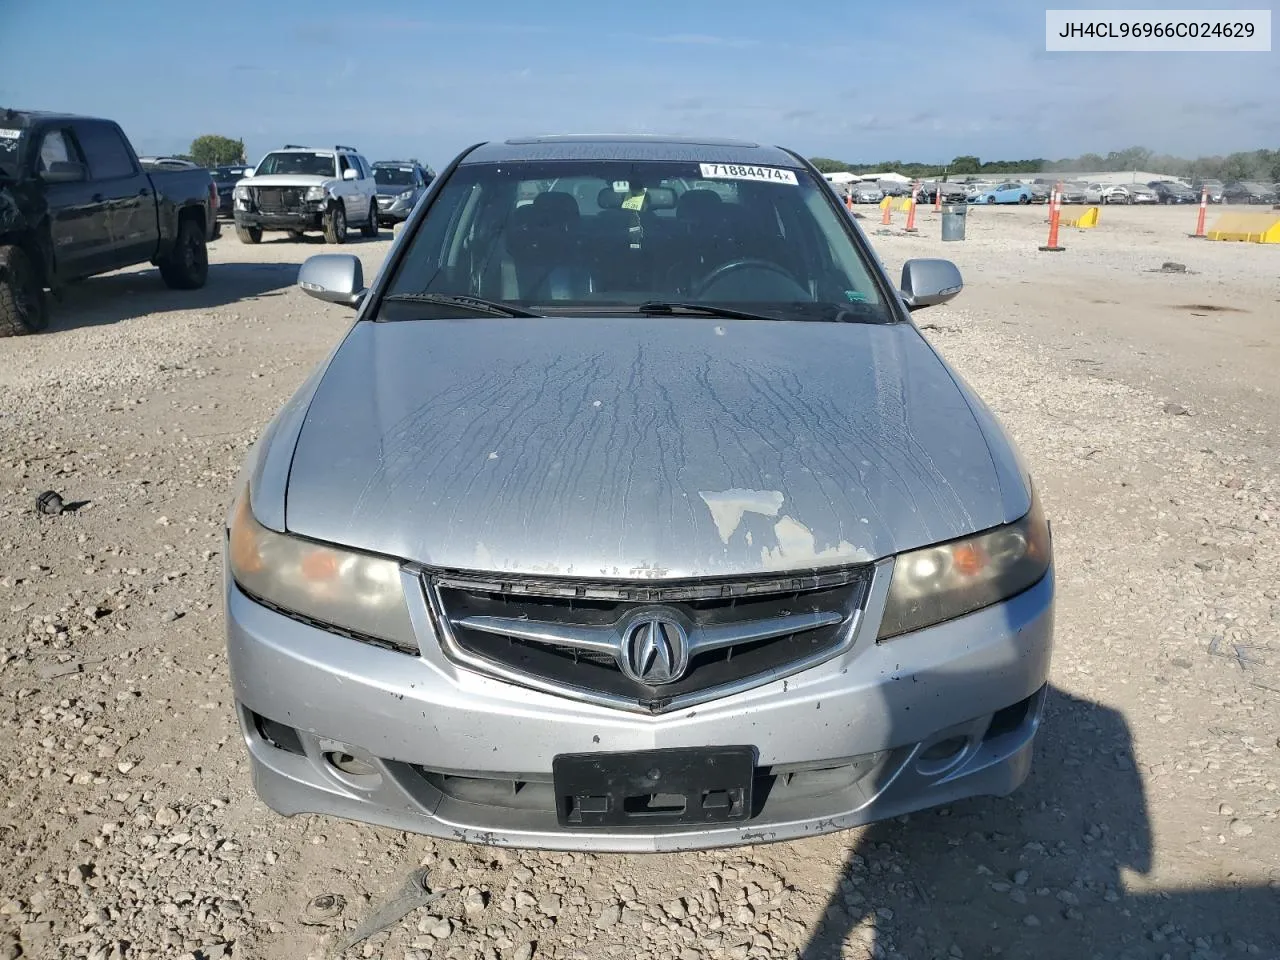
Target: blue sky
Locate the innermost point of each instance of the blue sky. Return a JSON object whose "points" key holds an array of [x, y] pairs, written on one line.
{"points": [[915, 79]]}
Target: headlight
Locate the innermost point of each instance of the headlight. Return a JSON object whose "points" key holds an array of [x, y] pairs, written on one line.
{"points": [[352, 591], [940, 583], [242, 193], [405, 196], [317, 193]]}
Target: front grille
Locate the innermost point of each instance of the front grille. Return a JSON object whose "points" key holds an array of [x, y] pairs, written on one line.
{"points": [[279, 199], [580, 638]]}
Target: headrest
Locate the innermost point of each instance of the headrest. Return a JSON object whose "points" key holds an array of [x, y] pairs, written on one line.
{"points": [[609, 199], [555, 206], [698, 203], [660, 198]]}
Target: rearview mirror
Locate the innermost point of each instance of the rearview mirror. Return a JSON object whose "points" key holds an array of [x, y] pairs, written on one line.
{"points": [[64, 171], [927, 283], [350, 174], [334, 278]]}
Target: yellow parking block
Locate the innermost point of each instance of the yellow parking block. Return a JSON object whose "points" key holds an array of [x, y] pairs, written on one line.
{"points": [[1247, 227], [1085, 221]]}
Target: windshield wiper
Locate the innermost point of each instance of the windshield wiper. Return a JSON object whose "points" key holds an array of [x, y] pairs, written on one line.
{"points": [[462, 300], [704, 309]]}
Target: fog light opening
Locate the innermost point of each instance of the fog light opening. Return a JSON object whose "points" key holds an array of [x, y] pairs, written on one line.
{"points": [[350, 765], [941, 756]]}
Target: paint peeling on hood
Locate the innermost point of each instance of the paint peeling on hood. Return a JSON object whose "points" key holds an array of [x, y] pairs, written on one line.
{"points": [[778, 446], [728, 506]]}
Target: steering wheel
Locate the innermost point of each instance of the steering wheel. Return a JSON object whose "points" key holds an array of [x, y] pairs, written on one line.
{"points": [[746, 263]]}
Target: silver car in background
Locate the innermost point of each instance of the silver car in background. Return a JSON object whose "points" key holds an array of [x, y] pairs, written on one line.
{"points": [[632, 514]]}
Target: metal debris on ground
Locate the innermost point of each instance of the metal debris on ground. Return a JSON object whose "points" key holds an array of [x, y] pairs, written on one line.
{"points": [[320, 910], [415, 893], [49, 503], [1176, 410], [1172, 266]]}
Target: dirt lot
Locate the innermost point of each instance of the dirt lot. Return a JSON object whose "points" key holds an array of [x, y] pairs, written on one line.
{"points": [[1148, 405]]}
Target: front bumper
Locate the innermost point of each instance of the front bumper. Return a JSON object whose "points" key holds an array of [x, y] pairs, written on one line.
{"points": [[294, 220], [394, 209], [454, 754]]}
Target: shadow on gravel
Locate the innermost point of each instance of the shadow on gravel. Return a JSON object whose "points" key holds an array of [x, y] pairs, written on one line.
{"points": [[1039, 874], [122, 296]]}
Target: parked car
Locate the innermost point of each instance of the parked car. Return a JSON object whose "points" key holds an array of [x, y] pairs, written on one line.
{"points": [[399, 183], [1129, 193], [169, 163], [1012, 192], [894, 188], [75, 201], [687, 632], [866, 191], [1247, 191], [299, 189], [1214, 188], [1074, 192], [1093, 193], [951, 193], [1170, 191], [226, 178]]}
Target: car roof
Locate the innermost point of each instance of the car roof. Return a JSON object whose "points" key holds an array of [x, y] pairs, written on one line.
{"points": [[32, 117], [630, 147]]}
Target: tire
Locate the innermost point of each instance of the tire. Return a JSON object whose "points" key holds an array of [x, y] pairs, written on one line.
{"points": [[991, 198], [187, 265], [297, 236], [249, 234], [1024, 199], [335, 224], [23, 308], [370, 229]]}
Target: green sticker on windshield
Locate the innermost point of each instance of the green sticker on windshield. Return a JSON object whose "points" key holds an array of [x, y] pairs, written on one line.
{"points": [[853, 296]]}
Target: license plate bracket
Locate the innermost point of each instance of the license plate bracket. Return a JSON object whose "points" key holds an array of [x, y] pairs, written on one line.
{"points": [[651, 788]]}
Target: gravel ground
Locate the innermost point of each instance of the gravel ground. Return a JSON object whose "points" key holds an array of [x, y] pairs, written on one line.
{"points": [[1148, 827]]}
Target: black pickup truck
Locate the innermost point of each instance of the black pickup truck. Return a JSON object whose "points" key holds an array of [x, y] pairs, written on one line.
{"points": [[75, 201]]}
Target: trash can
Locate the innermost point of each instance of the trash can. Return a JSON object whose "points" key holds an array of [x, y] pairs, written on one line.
{"points": [[953, 215]]}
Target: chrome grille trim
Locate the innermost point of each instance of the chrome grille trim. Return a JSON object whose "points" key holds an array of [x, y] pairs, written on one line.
{"points": [[600, 645]]}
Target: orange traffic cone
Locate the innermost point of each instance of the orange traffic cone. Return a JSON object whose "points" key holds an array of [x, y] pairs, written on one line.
{"points": [[911, 211], [1204, 206], [886, 205], [1055, 212]]}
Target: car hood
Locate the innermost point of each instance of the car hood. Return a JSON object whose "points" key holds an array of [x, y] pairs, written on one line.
{"points": [[391, 190], [642, 447], [287, 180]]}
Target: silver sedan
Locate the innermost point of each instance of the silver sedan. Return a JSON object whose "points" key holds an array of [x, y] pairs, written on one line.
{"points": [[634, 513]]}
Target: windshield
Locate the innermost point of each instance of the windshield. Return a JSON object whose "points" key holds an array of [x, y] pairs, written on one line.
{"points": [[393, 176], [305, 164], [227, 174], [604, 236]]}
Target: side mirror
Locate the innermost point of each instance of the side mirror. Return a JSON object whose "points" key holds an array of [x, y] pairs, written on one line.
{"points": [[333, 278], [247, 174], [64, 171], [927, 283], [350, 174]]}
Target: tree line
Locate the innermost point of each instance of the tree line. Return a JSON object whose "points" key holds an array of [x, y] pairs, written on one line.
{"points": [[1263, 165]]}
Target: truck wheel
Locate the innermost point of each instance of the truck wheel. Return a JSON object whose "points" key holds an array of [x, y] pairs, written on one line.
{"points": [[249, 234], [335, 224], [22, 302], [187, 265], [370, 229]]}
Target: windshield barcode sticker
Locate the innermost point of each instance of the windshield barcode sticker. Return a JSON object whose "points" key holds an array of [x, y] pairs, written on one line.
{"points": [[10, 134], [737, 171]]}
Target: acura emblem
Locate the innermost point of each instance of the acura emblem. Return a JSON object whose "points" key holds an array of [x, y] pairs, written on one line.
{"points": [[655, 650]]}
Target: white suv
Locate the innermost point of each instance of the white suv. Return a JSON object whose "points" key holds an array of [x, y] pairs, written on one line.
{"points": [[297, 189]]}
